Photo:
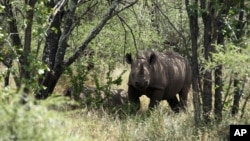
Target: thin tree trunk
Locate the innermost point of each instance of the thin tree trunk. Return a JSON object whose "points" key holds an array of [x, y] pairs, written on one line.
{"points": [[207, 77], [7, 77], [228, 89], [15, 40], [220, 26], [207, 95], [194, 31], [237, 96], [244, 105], [218, 93], [24, 59], [239, 34], [208, 17]]}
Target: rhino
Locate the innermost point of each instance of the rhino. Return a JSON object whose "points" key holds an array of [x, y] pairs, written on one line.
{"points": [[159, 76]]}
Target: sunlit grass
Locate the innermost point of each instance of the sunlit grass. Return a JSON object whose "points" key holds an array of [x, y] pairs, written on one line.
{"points": [[41, 122], [38, 122]]}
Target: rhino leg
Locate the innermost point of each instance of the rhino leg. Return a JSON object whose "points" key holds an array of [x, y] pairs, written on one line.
{"points": [[174, 104], [155, 97], [133, 94], [183, 98]]}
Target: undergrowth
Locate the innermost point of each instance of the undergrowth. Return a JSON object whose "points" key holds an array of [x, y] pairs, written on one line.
{"points": [[36, 120]]}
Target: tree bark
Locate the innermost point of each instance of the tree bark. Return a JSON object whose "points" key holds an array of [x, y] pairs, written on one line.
{"points": [[53, 36], [51, 77], [220, 26], [15, 40], [237, 96], [24, 59], [50, 80], [207, 77], [55, 47], [194, 33], [237, 84], [218, 93]]}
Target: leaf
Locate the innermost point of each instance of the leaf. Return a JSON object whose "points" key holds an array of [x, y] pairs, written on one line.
{"points": [[41, 71]]}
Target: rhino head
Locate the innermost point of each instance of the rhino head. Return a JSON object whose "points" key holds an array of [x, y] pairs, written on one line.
{"points": [[141, 70]]}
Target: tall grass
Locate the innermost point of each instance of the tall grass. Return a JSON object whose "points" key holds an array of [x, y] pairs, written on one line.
{"points": [[53, 120], [98, 125], [38, 122]]}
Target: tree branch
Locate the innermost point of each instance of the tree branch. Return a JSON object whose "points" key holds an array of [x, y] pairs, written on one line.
{"points": [[56, 9], [130, 29], [68, 28], [125, 38], [171, 24], [111, 12]]}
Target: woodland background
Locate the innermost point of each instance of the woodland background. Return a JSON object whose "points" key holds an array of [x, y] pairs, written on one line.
{"points": [[51, 47]]}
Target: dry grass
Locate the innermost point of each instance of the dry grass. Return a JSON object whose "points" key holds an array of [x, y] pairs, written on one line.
{"points": [[98, 125], [92, 124], [158, 124], [161, 123]]}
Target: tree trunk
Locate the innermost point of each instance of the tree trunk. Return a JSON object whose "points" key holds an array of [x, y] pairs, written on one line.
{"points": [[24, 59], [194, 30], [50, 80], [237, 96], [207, 95], [218, 93], [207, 77], [220, 26], [7, 75], [52, 42], [239, 34], [15, 40], [52, 38]]}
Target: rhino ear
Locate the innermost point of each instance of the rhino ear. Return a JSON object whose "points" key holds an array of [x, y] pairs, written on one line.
{"points": [[152, 58], [129, 58]]}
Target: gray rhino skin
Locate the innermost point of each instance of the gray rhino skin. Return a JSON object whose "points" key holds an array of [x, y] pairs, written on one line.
{"points": [[160, 76]]}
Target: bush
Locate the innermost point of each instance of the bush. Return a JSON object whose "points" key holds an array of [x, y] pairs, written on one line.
{"points": [[30, 121]]}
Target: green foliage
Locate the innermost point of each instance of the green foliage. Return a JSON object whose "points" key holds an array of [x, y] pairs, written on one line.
{"points": [[37, 70], [30, 121], [233, 58], [109, 78], [118, 35], [77, 77], [95, 83], [104, 87], [235, 62], [2, 8]]}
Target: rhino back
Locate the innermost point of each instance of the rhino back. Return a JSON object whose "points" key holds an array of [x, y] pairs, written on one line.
{"points": [[169, 73]]}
